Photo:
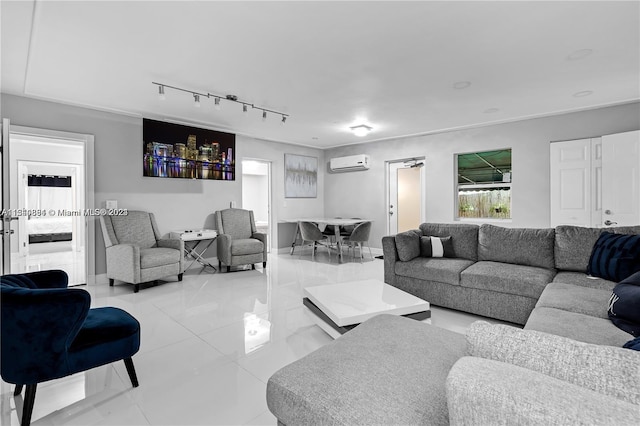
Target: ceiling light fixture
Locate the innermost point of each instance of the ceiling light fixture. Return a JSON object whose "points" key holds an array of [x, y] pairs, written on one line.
{"points": [[582, 94], [216, 100], [579, 54], [461, 85], [491, 110], [361, 130]]}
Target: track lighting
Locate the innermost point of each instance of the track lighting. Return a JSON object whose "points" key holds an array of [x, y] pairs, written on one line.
{"points": [[361, 130], [216, 100]]}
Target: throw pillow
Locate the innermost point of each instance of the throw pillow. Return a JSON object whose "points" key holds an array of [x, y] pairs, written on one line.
{"points": [[615, 256], [408, 245], [633, 344], [436, 247], [623, 305]]}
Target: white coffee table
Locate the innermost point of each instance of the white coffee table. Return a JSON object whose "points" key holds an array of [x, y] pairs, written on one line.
{"points": [[337, 308]]}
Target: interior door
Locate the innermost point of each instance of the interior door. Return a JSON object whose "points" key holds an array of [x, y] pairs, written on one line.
{"points": [[621, 179], [571, 183], [406, 195]]}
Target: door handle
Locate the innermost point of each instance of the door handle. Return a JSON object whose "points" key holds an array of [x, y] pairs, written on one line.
{"points": [[609, 223]]}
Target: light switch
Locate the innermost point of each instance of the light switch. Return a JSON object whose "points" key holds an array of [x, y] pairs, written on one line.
{"points": [[111, 204]]}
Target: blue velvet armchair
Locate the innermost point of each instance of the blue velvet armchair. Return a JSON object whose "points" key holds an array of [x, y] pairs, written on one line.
{"points": [[49, 331]]}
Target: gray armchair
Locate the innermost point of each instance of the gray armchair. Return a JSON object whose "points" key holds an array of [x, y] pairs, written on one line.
{"points": [[238, 241], [136, 253]]}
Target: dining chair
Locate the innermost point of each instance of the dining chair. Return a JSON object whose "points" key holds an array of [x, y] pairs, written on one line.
{"points": [[310, 232], [359, 237], [49, 332]]}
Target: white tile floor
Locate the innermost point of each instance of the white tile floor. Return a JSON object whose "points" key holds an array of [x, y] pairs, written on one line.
{"points": [[209, 345]]}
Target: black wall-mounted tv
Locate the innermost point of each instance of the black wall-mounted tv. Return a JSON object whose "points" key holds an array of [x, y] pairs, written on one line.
{"points": [[177, 151]]}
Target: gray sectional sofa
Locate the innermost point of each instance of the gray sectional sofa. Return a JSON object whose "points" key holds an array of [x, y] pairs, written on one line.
{"points": [[566, 366], [497, 272]]}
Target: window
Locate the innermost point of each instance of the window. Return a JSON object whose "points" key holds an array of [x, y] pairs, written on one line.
{"points": [[484, 184]]}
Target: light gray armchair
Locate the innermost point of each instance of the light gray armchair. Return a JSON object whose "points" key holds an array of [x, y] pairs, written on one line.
{"points": [[238, 241], [136, 253]]}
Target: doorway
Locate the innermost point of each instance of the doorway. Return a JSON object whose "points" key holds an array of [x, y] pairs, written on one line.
{"points": [[256, 194], [47, 187], [405, 195]]}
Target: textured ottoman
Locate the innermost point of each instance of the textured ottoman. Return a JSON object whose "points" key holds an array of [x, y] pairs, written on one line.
{"points": [[388, 370]]}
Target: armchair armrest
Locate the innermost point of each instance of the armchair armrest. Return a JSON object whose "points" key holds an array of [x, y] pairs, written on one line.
{"points": [[223, 244], [123, 262], [51, 318], [49, 279], [487, 392], [174, 243], [262, 237], [390, 257]]}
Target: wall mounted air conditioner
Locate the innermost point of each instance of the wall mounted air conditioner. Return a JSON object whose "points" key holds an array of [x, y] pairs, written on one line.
{"points": [[350, 163]]}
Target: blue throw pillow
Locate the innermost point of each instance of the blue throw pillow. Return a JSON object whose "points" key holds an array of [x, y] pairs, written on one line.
{"points": [[624, 305], [615, 256], [633, 344]]}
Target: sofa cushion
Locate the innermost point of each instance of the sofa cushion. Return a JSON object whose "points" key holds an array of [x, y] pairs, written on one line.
{"points": [[624, 305], [607, 370], [439, 269], [388, 370], [574, 298], [615, 256], [436, 247], [573, 246], [408, 244], [583, 280], [463, 235], [158, 256], [246, 246], [573, 325], [520, 246], [527, 281]]}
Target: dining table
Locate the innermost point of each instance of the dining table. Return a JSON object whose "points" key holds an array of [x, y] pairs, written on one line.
{"points": [[323, 223]]}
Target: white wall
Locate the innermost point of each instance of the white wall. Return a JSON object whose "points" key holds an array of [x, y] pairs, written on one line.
{"points": [[177, 203], [362, 194]]}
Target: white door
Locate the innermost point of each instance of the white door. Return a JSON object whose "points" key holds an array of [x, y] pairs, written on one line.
{"points": [[405, 180], [571, 183], [621, 179], [256, 194]]}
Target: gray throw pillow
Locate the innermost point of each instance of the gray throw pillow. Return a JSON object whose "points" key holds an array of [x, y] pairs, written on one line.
{"points": [[408, 245], [436, 247]]}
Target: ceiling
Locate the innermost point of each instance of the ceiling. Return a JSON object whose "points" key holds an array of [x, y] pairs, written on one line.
{"points": [[400, 67]]}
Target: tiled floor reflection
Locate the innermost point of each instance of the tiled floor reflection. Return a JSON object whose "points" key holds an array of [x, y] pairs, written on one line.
{"points": [[209, 345]]}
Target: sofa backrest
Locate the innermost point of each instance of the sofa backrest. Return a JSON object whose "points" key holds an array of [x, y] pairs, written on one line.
{"points": [[464, 237], [573, 244], [520, 246]]}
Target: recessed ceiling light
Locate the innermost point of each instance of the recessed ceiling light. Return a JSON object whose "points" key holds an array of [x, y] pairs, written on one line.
{"points": [[491, 110], [579, 54], [583, 94], [315, 138], [361, 129], [461, 84]]}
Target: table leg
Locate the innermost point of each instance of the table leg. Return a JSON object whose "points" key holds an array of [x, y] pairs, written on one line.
{"points": [[295, 238], [336, 230]]}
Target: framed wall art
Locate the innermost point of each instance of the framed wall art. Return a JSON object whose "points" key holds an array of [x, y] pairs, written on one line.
{"points": [[300, 176]]}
